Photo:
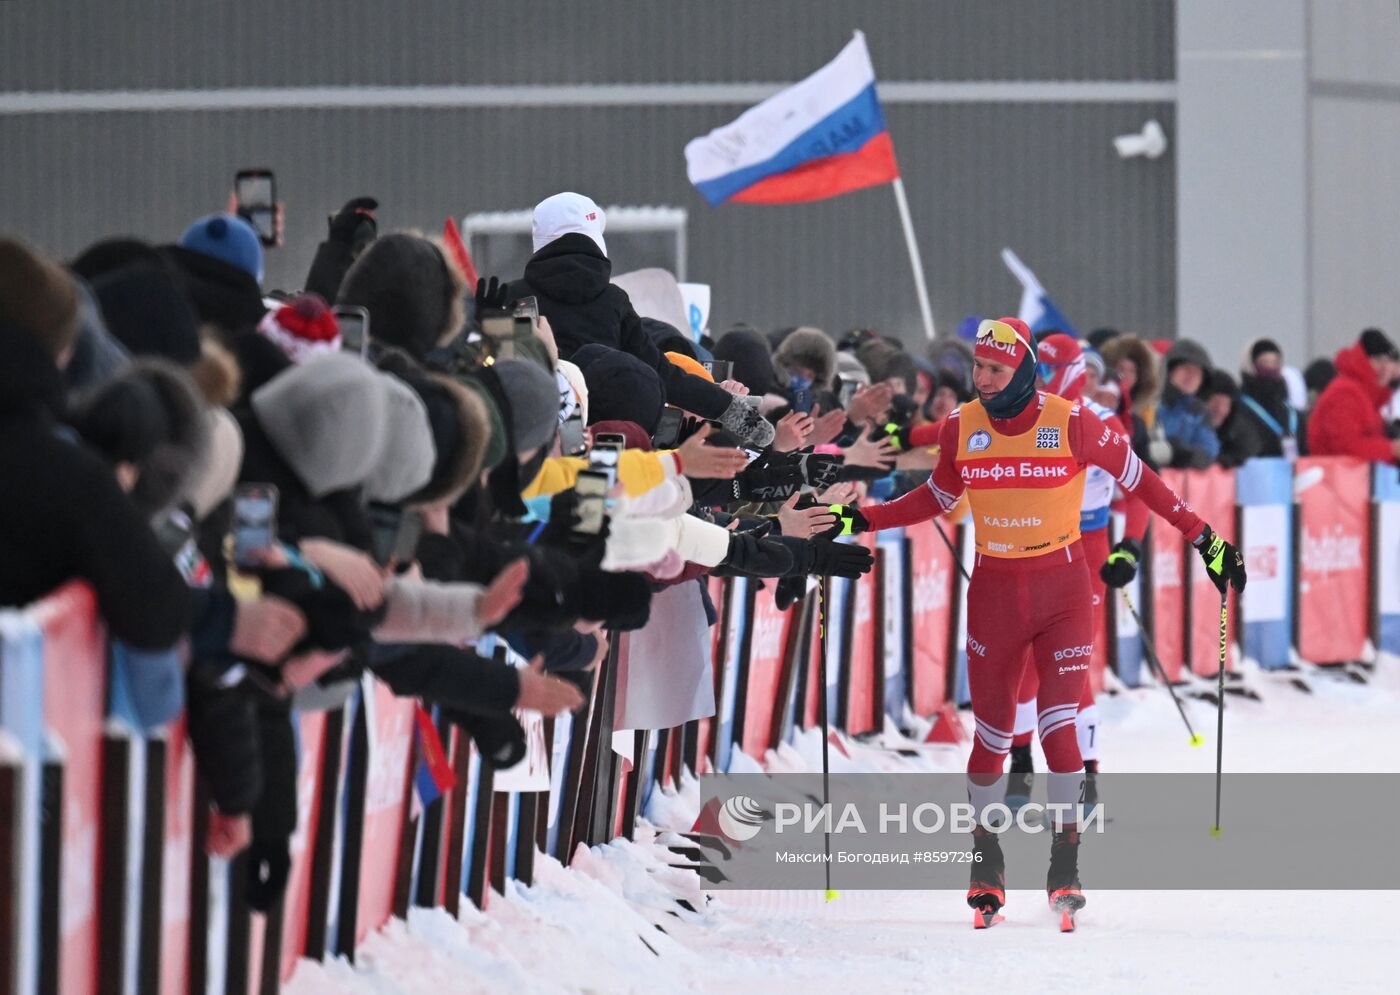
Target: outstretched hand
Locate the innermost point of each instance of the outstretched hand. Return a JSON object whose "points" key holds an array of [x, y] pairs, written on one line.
{"points": [[503, 594], [350, 569], [491, 296], [825, 427], [544, 693], [869, 402], [878, 454], [792, 431], [803, 523], [700, 461]]}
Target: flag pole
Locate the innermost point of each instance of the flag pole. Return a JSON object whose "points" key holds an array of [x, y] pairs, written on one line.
{"points": [[902, 202]]}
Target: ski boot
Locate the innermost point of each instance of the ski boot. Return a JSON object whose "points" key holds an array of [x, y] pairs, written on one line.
{"points": [[1021, 778], [1062, 882], [986, 893]]}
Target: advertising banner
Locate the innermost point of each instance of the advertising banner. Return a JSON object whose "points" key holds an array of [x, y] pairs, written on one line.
{"points": [[861, 703], [390, 723], [1385, 546], [1333, 564], [1264, 488], [1168, 591], [931, 615], [1131, 660], [296, 905], [75, 691], [1212, 494], [771, 629]]}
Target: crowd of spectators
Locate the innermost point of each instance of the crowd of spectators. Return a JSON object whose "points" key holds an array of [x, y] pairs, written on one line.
{"points": [[268, 503]]}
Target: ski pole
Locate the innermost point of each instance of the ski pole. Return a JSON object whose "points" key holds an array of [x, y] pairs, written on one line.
{"points": [[949, 543], [1220, 713], [1158, 670], [825, 722]]}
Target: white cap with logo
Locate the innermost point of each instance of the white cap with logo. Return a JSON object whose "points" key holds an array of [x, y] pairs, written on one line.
{"points": [[565, 213]]}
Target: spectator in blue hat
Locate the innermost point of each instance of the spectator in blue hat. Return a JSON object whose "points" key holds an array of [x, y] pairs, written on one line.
{"points": [[220, 261]]}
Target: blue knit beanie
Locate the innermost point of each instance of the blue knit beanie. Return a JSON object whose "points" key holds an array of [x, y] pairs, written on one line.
{"points": [[229, 238]]}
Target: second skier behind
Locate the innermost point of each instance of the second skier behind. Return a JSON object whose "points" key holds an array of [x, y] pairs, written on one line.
{"points": [[1021, 454]]}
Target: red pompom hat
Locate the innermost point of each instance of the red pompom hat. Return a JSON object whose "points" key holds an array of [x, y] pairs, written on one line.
{"points": [[302, 328]]}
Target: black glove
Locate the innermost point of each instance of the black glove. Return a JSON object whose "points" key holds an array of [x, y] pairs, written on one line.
{"points": [[689, 426], [355, 224], [820, 470], [500, 739], [268, 866], [1224, 561], [755, 557], [333, 622], [622, 600], [790, 591], [559, 532], [840, 559], [849, 521], [1121, 566], [771, 477], [491, 296], [866, 473]]}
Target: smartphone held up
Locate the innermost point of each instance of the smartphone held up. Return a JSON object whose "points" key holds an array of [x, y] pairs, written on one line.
{"points": [[592, 487], [353, 322], [254, 523], [255, 191]]}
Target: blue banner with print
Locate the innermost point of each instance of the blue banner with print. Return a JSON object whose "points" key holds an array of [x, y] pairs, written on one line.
{"points": [[1385, 553], [1264, 490]]}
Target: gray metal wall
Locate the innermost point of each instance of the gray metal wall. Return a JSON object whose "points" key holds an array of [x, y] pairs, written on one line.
{"points": [[100, 44], [1039, 177], [1241, 166], [1354, 107]]}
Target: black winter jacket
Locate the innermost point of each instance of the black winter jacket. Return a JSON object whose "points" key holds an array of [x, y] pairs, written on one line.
{"points": [[1271, 394], [63, 516], [1243, 436], [570, 279]]}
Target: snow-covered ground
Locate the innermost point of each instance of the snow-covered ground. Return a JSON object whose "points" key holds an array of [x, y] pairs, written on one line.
{"points": [[594, 927]]}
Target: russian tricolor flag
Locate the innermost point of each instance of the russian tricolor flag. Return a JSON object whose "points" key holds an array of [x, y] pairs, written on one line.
{"points": [[819, 138], [434, 775], [1037, 310]]}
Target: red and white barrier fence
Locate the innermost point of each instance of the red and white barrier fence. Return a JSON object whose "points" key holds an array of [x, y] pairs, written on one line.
{"points": [[106, 886]]}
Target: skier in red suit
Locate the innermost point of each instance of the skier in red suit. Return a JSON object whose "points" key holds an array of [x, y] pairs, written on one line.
{"points": [[1021, 454]]}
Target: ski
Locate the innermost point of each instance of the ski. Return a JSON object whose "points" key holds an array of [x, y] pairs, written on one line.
{"points": [[1067, 904], [985, 918]]}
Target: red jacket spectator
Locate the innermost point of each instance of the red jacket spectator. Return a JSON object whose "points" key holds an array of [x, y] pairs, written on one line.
{"points": [[1346, 421]]}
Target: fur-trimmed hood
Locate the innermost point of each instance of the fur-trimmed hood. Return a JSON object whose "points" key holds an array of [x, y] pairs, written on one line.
{"points": [[810, 349], [461, 426], [1143, 357], [458, 466], [216, 373], [884, 361], [413, 290], [213, 480], [951, 355]]}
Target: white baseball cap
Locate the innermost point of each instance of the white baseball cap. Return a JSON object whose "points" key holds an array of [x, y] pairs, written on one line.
{"points": [[565, 213]]}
